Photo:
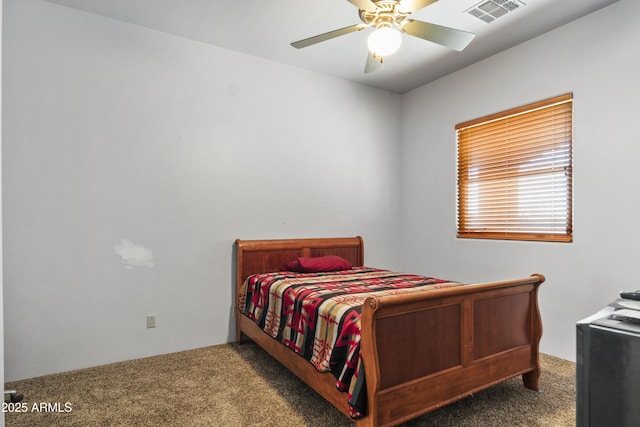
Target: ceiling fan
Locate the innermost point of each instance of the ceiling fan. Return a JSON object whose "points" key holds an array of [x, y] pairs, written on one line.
{"points": [[390, 19]]}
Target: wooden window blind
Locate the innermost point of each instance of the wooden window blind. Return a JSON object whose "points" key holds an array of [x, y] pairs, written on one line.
{"points": [[515, 173]]}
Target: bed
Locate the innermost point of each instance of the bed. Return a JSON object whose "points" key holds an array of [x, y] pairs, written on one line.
{"points": [[412, 364]]}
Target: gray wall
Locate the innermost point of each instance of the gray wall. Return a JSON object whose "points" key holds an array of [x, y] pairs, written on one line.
{"points": [[132, 161], [595, 58]]}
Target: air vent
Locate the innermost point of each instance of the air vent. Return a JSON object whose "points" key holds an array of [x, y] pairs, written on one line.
{"points": [[490, 10]]}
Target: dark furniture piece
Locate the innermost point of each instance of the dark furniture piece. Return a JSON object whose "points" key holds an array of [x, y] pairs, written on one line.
{"points": [[607, 372]]}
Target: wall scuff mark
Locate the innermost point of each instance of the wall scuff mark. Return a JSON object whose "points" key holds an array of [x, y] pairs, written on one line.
{"points": [[133, 255]]}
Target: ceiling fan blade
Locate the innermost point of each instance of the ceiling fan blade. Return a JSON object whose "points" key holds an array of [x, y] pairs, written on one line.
{"points": [[373, 64], [367, 5], [410, 6], [445, 36], [327, 36]]}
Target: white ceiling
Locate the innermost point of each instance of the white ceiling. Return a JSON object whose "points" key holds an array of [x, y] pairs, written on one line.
{"points": [[265, 28]]}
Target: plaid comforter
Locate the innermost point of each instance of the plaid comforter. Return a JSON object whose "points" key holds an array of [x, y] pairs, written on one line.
{"points": [[317, 315]]}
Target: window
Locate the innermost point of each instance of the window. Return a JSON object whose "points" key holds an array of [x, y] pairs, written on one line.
{"points": [[515, 173]]}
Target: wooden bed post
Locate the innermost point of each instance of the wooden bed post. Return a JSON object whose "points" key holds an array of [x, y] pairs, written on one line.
{"points": [[368, 346], [238, 278], [530, 379]]}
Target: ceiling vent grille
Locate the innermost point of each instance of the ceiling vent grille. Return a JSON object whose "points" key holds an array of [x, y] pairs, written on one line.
{"points": [[490, 10]]}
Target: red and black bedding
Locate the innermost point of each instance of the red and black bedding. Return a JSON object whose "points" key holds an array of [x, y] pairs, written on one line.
{"points": [[315, 311]]}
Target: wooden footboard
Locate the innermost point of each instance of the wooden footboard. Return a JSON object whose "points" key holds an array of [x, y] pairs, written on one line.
{"points": [[421, 350], [424, 350]]}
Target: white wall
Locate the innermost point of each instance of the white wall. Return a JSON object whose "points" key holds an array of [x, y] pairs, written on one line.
{"points": [[114, 132], [595, 58]]}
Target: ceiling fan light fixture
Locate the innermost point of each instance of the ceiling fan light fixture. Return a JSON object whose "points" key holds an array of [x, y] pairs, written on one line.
{"points": [[384, 41], [389, 19]]}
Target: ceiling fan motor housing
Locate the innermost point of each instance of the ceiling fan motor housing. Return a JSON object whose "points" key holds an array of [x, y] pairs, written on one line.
{"points": [[386, 15]]}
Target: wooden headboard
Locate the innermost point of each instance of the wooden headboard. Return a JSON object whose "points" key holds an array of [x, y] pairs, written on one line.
{"points": [[264, 256]]}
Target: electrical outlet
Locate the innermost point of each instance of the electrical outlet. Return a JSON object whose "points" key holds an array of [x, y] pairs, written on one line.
{"points": [[151, 321]]}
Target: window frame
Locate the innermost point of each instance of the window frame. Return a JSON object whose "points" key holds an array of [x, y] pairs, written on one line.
{"points": [[503, 220]]}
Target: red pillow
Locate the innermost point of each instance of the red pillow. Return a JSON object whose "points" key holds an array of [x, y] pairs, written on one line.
{"points": [[317, 264]]}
